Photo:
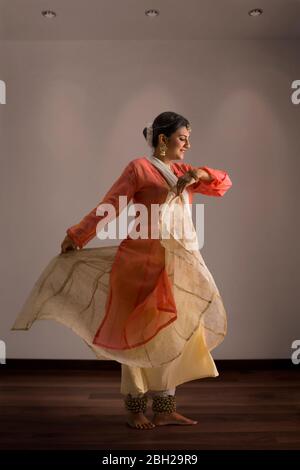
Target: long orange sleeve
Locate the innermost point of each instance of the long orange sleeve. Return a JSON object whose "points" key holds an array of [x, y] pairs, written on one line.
{"points": [[217, 187], [125, 185]]}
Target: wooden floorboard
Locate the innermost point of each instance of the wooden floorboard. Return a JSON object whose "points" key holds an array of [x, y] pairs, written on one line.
{"points": [[83, 409]]}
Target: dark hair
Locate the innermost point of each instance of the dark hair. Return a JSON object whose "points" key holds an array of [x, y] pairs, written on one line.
{"points": [[166, 123]]}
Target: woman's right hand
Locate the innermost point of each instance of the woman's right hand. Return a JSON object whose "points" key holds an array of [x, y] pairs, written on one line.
{"points": [[67, 245], [182, 182]]}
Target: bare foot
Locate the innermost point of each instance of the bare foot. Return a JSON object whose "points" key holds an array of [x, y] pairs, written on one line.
{"points": [[160, 419], [139, 421]]}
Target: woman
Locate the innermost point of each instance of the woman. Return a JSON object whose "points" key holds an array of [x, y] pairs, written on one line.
{"points": [[149, 303]]}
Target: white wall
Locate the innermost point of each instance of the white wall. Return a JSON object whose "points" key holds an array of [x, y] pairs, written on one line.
{"points": [[74, 118]]}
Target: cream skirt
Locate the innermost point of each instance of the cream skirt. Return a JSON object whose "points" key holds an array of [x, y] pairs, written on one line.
{"points": [[73, 289]]}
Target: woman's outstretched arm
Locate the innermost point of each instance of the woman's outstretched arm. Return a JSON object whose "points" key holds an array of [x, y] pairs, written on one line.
{"points": [[125, 185]]}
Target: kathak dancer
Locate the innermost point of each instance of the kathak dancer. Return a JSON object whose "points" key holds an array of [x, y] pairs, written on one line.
{"points": [[150, 302]]}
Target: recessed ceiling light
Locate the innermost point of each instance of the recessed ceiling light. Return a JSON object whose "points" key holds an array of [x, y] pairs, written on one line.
{"points": [[255, 12], [152, 12], [48, 14]]}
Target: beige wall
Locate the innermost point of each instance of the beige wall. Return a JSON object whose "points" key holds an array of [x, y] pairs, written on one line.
{"points": [[74, 118]]}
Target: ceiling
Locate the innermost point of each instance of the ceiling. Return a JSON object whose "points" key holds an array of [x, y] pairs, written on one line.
{"points": [[125, 19]]}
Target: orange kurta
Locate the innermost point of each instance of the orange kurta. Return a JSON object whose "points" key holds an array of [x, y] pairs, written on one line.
{"points": [[140, 301]]}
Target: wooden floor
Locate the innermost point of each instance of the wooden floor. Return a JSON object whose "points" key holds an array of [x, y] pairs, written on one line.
{"points": [[83, 409]]}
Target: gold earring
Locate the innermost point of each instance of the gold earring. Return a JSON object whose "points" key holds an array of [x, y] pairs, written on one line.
{"points": [[162, 150]]}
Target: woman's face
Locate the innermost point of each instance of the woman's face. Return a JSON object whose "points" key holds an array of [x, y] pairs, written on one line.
{"points": [[178, 143]]}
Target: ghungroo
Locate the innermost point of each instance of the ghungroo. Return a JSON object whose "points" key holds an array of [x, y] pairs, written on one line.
{"points": [[164, 404], [136, 404]]}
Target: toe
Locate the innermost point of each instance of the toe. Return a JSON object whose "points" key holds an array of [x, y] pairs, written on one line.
{"points": [[191, 421]]}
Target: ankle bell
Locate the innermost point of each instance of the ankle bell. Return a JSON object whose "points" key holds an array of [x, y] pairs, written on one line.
{"points": [[164, 404], [136, 404]]}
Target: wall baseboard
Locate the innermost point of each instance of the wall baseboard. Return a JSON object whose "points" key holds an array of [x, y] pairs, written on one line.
{"points": [[89, 364]]}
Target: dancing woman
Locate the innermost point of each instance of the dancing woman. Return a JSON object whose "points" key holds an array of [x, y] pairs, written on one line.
{"points": [[149, 303]]}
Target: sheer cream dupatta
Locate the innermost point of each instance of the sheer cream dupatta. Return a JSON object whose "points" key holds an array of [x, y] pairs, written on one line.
{"points": [[196, 295]]}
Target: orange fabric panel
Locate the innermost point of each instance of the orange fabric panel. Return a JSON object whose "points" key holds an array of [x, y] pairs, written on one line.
{"points": [[140, 300]]}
